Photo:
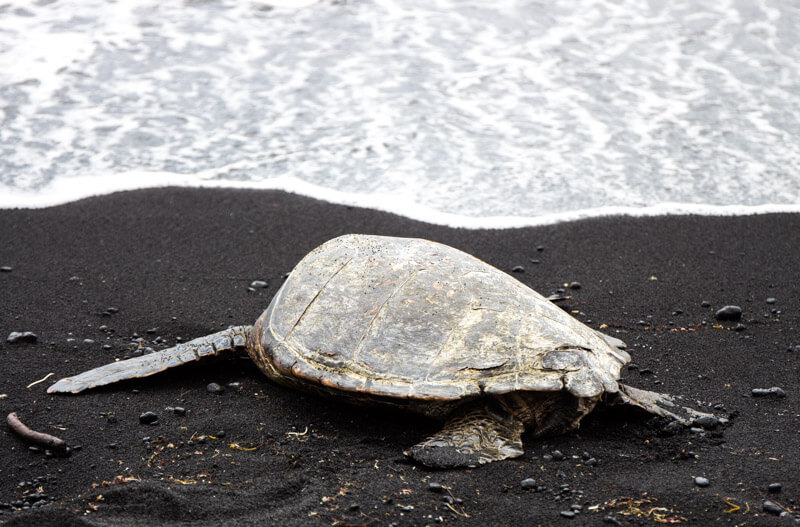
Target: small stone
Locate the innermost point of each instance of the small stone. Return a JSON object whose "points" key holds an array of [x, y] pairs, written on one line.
{"points": [[709, 422], [5, 269], [112, 310], [539, 248], [771, 507], [220, 434], [534, 261], [517, 269], [88, 342], [557, 455], [567, 514], [774, 487], [528, 483], [771, 300], [179, 410], [795, 349], [259, 284], [575, 285], [148, 418], [732, 313], [435, 487], [700, 481], [576, 508], [591, 462], [705, 303], [19, 337], [762, 392], [740, 327], [213, 387]]}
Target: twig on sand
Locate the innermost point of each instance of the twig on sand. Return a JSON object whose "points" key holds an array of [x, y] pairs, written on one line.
{"points": [[39, 438], [34, 383]]}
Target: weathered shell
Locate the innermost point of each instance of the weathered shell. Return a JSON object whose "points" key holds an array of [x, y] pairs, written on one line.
{"points": [[410, 318]]}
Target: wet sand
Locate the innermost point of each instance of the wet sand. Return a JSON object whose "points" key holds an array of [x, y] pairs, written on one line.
{"points": [[177, 263]]}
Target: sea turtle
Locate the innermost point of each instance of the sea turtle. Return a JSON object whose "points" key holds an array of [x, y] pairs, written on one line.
{"points": [[418, 325]]}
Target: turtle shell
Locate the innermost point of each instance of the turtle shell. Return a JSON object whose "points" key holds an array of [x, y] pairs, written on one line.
{"points": [[414, 319]]}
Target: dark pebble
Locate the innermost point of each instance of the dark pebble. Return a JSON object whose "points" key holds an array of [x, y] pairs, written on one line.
{"points": [[112, 445], [151, 331], [220, 434], [557, 455], [112, 419], [709, 422], [774, 487], [700, 481], [18, 337], [259, 284], [740, 327], [772, 508], [567, 514], [517, 269], [213, 387], [705, 303], [435, 487], [771, 300], [88, 342], [575, 285], [591, 462], [112, 310], [775, 390], [729, 313], [528, 483], [540, 248], [5, 269], [148, 418], [793, 349], [354, 507], [534, 261], [179, 410], [34, 449], [107, 347]]}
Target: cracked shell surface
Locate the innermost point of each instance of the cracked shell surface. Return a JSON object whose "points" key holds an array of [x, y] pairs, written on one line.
{"points": [[411, 318]]}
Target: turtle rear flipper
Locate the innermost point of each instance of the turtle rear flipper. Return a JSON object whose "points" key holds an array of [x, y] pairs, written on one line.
{"points": [[473, 436], [660, 404], [146, 365]]}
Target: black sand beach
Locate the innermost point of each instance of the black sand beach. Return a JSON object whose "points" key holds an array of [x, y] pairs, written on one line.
{"points": [[177, 263]]}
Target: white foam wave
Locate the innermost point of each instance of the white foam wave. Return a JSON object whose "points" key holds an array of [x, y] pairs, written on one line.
{"points": [[64, 191]]}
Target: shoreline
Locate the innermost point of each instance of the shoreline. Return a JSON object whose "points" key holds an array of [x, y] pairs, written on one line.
{"points": [[177, 263], [78, 189]]}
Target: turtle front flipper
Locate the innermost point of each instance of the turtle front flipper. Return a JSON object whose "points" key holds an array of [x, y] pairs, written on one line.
{"points": [[660, 404], [475, 435], [146, 365]]}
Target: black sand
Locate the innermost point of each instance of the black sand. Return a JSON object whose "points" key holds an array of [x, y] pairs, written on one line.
{"points": [[180, 262]]}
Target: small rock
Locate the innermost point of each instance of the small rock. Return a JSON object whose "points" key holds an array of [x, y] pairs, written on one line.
{"points": [[213, 387], [435, 487], [576, 508], [517, 269], [774, 487], [591, 462], [19, 337], [740, 327], [88, 342], [575, 285], [795, 349], [709, 422], [771, 300], [539, 248], [771, 507], [705, 303], [259, 284], [528, 483], [732, 313], [557, 455], [5, 269], [567, 514], [148, 418], [179, 410], [700, 481], [534, 261], [775, 390]]}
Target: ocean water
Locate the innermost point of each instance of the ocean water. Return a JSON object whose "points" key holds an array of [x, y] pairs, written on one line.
{"points": [[462, 112]]}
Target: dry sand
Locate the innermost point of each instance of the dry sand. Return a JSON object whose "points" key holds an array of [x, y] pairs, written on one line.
{"points": [[178, 263]]}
